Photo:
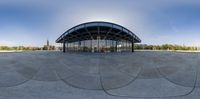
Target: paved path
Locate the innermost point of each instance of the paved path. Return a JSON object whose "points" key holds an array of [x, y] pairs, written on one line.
{"points": [[55, 75]]}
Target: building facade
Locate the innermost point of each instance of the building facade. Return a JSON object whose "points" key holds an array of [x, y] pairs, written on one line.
{"points": [[98, 37]]}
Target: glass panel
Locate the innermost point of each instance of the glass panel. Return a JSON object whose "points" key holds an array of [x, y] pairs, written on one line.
{"points": [[99, 45]]}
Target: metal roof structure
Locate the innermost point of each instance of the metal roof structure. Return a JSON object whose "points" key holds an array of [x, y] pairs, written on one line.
{"points": [[90, 30]]}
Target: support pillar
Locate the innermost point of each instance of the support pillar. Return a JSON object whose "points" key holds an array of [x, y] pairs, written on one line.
{"points": [[91, 45], [67, 46], [112, 46], [132, 46], [98, 50], [84, 46], [126, 46], [79, 46], [116, 46], [64, 47]]}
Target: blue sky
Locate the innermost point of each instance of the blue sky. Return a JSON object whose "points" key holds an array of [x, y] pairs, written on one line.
{"points": [[31, 23]]}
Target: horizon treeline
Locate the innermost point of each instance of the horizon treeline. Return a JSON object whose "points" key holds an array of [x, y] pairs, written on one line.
{"points": [[136, 46], [165, 47], [25, 48]]}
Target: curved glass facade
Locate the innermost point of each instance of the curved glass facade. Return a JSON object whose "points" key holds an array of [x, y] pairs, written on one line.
{"points": [[99, 45]]}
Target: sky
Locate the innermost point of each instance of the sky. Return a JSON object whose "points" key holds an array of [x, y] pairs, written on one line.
{"points": [[32, 22]]}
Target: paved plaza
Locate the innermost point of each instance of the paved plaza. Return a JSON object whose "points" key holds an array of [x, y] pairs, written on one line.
{"points": [[57, 75]]}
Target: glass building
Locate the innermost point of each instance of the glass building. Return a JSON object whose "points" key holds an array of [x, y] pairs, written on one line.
{"points": [[98, 37]]}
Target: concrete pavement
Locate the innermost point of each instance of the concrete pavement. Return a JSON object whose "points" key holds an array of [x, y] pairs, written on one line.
{"points": [[57, 75]]}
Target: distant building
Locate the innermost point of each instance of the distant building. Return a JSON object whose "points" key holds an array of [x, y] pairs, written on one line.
{"points": [[47, 44]]}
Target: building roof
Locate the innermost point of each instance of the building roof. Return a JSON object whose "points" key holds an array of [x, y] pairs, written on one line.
{"points": [[93, 30]]}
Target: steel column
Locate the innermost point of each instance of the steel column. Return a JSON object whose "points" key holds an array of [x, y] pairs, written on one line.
{"points": [[67, 46], [132, 46], [91, 45], [64, 46], [116, 46]]}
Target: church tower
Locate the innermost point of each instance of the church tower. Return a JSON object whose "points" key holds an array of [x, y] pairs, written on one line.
{"points": [[47, 44]]}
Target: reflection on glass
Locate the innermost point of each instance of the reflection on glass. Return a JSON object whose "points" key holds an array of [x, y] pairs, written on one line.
{"points": [[99, 45]]}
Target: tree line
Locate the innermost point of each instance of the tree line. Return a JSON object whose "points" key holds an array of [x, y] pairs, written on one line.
{"points": [[24, 48], [136, 46], [165, 47]]}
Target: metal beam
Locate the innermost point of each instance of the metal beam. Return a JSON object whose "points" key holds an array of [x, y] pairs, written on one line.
{"points": [[108, 33], [88, 32]]}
